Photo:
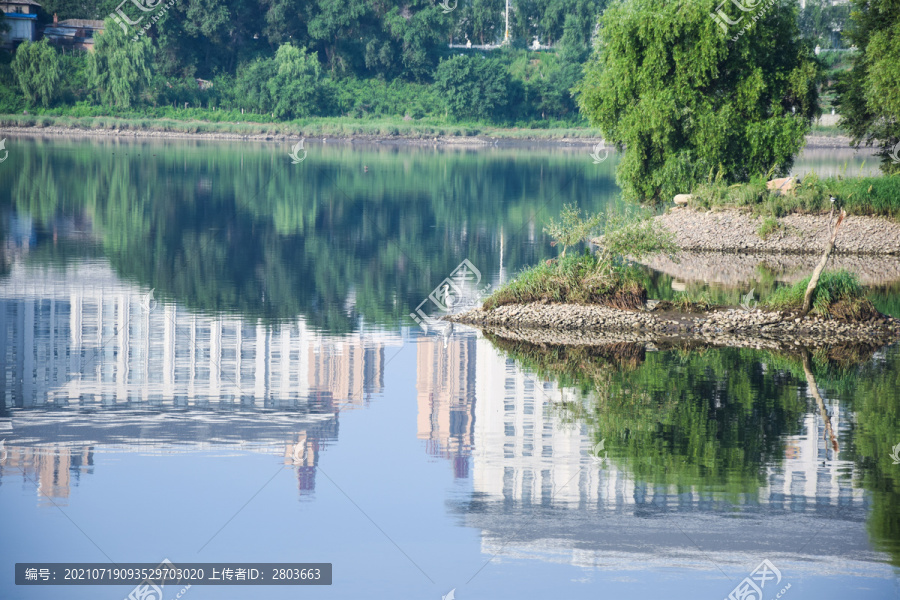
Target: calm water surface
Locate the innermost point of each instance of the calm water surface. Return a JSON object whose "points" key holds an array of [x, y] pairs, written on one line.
{"points": [[208, 356]]}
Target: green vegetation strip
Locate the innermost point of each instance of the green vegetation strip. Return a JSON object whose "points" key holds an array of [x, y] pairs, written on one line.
{"points": [[873, 196]]}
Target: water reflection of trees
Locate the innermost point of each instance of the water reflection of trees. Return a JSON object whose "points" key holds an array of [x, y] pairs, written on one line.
{"points": [[227, 228], [715, 418]]}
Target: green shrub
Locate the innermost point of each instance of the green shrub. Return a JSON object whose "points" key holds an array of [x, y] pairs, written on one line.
{"points": [[573, 279], [601, 278], [839, 294]]}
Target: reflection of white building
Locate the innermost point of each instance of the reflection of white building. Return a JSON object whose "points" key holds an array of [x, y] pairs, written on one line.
{"points": [[541, 493], [83, 335], [82, 338], [445, 395], [522, 452], [526, 453]]}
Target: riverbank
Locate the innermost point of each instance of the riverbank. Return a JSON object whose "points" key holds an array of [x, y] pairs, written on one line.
{"points": [[738, 230], [728, 326], [373, 130], [427, 132]]}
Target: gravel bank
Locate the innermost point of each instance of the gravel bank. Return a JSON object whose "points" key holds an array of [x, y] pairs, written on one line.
{"points": [[652, 342], [726, 324], [489, 138], [733, 230]]}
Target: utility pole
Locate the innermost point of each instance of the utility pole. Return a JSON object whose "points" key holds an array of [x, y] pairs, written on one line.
{"points": [[506, 35]]}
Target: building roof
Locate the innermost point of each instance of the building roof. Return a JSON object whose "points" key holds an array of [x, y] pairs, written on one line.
{"points": [[84, 23], [22, 2]]}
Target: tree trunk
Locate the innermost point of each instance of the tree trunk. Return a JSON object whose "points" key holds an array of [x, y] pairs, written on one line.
{"points": [[814, 280], [811, 382]]}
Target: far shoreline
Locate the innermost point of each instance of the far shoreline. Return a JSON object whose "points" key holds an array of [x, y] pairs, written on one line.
{"points": [[483, 136]]}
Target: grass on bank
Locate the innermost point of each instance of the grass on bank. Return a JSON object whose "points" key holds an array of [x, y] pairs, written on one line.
{"points": [[310, 127], [839, 295], [574, 279], [602, 277], [769, 226], [581, 279], [877, 196]]}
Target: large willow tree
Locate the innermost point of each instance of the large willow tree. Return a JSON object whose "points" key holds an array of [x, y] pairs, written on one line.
{"points": [[686, 94], [120, 68], [36, 66]]}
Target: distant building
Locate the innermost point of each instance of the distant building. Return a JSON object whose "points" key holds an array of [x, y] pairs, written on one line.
{"points": [[78, 34], [21, 16]]}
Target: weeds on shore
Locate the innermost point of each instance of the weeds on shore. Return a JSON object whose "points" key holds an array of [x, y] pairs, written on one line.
{"points": [[604, 277], [769, 226], [857, 195], [573, 279], [690, 302], [838, 295]]}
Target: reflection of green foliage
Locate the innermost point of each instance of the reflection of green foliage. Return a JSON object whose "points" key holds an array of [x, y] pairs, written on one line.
{"points": [[886, 299], [716, 418], [712, 418], [876, 404], [243, 230]]}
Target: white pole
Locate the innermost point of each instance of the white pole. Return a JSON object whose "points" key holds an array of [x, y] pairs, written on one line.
{"points": [[506, 35]]}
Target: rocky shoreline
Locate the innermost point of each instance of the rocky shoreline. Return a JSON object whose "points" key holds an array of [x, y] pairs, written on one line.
{"points": [[493, 138], [734, 230], [591, 324], [473, 141]]}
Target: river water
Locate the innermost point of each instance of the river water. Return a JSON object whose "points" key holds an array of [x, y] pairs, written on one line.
{"points": [[211, 354]]}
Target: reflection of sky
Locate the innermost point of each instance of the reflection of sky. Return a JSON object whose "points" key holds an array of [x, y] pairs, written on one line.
{"points": [[21, 230], [144, 508]]}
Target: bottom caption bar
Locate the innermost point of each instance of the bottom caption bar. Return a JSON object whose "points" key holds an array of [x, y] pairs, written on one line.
{"points": [[167, 573]]}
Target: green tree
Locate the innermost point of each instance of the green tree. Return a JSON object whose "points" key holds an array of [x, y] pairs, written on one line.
{"points": [[251, 85], [341, 29], [119, 68], [867, 97], [296, 87], [420, 36], [473, 86], [683, 97], [481, 21], [37, 68], [571, 228]]}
